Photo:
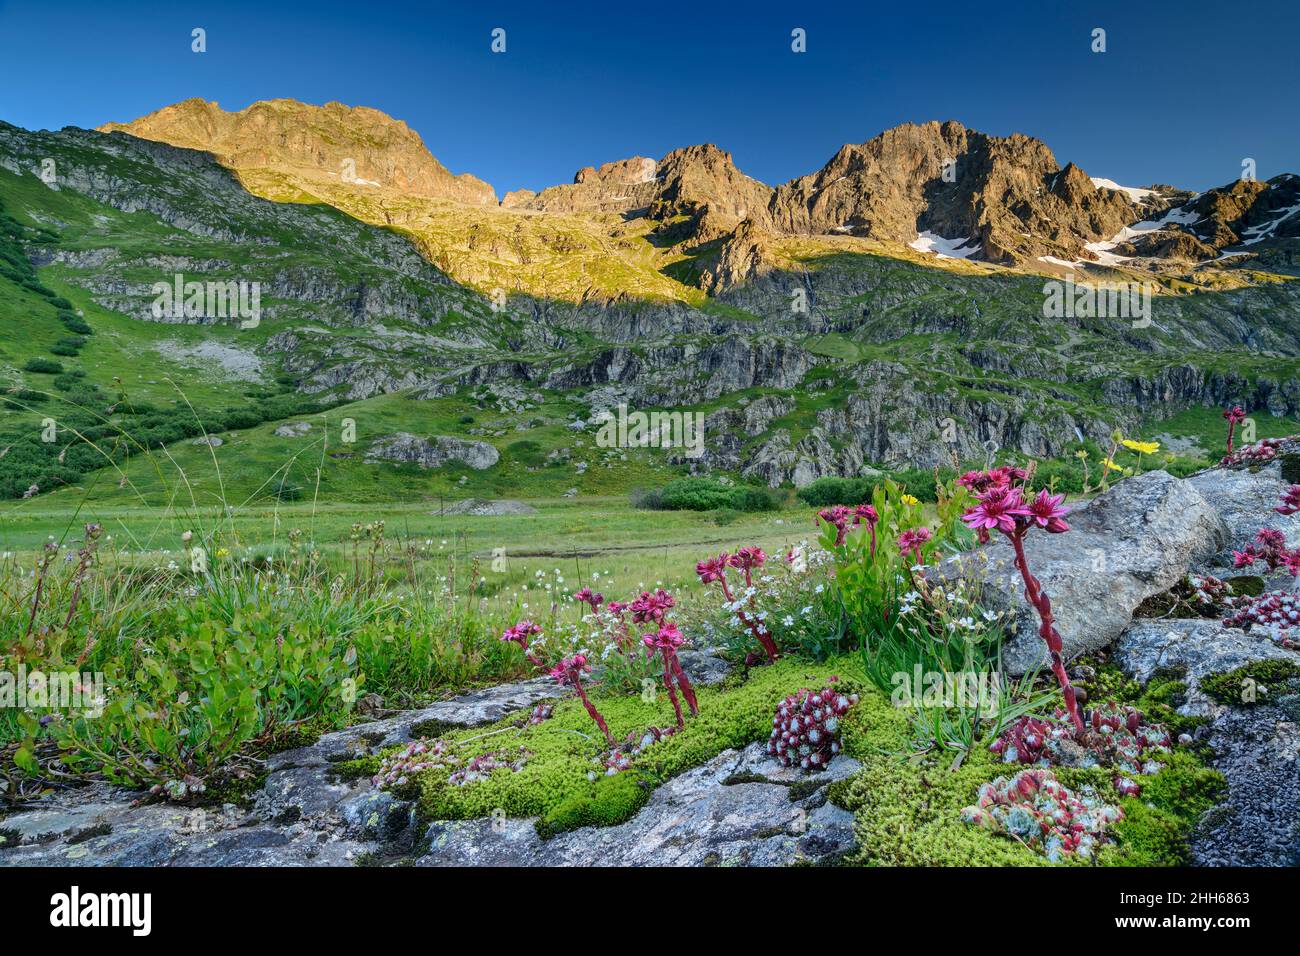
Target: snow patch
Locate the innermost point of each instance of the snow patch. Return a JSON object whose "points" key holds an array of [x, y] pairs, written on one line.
{"points": [[1135, 194], [944, 248]]}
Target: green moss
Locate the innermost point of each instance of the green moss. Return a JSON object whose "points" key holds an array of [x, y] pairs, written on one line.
{"points": [[1259, 682], [555, 784], [1185, 787], [1147, 837], [606, 801]]}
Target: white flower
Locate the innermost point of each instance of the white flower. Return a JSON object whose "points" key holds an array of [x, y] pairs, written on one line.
{"points": [[788, 621]]}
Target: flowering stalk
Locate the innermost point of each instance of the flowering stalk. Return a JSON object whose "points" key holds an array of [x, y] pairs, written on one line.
{"points": [[569, 673], [715, 569], [672, 694], [1047, 629], [1235, 416], [1002, 506], [653, 609]]}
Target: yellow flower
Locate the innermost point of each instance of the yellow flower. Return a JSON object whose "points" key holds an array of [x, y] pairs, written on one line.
{"points": [[1110, 465], [909, 500], [222, 553], [1142, 447]]}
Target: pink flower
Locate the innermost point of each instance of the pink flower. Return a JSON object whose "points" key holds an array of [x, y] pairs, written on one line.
{"points": [[586, 597], [570, 670], [668, 637], [616, 607], [865, 513], [838, 516], [1046, 511], [1290, 501], [911, 541], [748, 558], [998, 508], [714, 569], [651, 607], [521, 633], [1235, 415]]}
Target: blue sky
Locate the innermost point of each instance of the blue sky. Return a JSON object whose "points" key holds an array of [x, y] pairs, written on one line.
{"points": [[1185, 91]]}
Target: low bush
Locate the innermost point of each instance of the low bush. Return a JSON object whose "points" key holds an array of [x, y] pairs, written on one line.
{"points": [[43, 366], [706, 494]]}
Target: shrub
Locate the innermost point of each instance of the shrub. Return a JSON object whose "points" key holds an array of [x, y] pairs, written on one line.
{"points": [[708, 494], [43, 366], [825, 492], [67, 346]]}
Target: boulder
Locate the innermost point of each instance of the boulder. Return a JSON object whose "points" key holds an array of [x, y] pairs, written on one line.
{"points": [[292, 430], [432, 452], [1124, 546], [1245, 499]]}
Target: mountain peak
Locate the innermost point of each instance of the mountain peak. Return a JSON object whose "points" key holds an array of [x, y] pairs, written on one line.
{"points": [[331, 143]]}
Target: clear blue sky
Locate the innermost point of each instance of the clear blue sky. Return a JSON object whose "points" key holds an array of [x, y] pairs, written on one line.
{"points": [[1185, 91]]}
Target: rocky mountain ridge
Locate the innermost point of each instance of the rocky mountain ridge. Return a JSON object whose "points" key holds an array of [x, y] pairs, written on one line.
{"points": [[358, 145], [811, 356]]}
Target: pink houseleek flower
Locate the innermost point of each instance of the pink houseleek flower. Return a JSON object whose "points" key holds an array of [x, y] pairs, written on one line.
{"points": [[1003, 508], [568, 673], [747, 559], [522, 634], [866, 514], [1290, 501], [997, 509], [1235, 416], [911, 541], [1047, 511], [714, 570], [586, 597], [651, 607], [838, 516], [666, 640]]}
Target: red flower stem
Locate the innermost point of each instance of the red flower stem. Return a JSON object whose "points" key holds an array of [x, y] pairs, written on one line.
{"points": [[683, 682], [1047, 629], [672, 694], [591, 709], [1232, 426]]}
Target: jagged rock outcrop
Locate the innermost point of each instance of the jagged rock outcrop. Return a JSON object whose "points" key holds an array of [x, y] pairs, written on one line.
{"points": [[335, 143], [1007, 194], [746, 255]]}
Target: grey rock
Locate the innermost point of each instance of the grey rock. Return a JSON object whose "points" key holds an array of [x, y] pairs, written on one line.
{"points": [[468, 710], [433, 452], [305, 814], [1256, 746], [735, 810], [1128, 544], [293, 430], [484, 507], [1245, 500], [1193, 649]]}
